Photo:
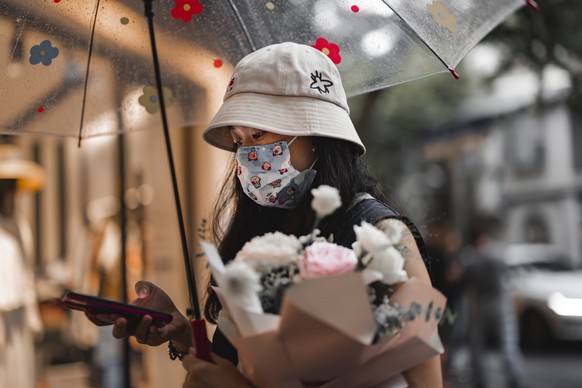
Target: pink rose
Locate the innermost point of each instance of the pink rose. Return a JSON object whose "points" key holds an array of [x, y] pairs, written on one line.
{"points": [[325, 259]]}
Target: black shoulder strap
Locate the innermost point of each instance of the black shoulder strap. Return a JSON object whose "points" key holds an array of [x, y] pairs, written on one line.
{"points": [[373, 211], [222, 347]]}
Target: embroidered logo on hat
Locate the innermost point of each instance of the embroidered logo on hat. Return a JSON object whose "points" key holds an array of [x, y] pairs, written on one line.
{"points": [[320, 83], [230, 85]]}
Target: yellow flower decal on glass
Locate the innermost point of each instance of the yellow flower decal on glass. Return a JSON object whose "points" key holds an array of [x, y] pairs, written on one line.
{"points": [[149, 98], [443, 16]]}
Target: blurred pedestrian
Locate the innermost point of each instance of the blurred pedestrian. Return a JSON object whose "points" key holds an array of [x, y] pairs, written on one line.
{"points": [[491, 312], [19, 314], [443, 244]]}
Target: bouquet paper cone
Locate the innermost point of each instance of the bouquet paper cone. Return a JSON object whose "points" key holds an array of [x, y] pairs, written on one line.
{"points": [[323, 335]]}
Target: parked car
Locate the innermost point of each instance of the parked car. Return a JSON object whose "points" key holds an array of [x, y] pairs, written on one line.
{"points": [[547, 292]]}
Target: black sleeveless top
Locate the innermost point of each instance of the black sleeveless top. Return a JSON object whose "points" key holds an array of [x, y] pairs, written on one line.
{"points": [[368, 209]]}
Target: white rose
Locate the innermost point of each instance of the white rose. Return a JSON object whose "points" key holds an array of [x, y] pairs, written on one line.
{"points": [[326, 200], [270, 250]]}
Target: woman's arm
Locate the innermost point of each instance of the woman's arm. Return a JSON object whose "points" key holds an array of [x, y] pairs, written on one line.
{"points": [[428, 374]]}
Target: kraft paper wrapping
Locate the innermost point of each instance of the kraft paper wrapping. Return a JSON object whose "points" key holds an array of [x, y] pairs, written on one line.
{"points": [[323, 335]]}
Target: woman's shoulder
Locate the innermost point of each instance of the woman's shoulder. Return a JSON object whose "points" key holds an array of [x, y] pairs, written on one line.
{"points": [[367, 208]]}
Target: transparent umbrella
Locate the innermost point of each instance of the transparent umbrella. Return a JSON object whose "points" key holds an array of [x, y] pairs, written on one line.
{"points": [[48, 85], [84, 68]]}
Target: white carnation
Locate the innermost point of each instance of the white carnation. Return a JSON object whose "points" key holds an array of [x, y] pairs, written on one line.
{"points": [[270, 250], [390, 263], [394, 229], [326, 200], [386, 259], [370, 238], [357, 248]]}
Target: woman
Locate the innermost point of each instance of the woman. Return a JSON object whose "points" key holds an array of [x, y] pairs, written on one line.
{"points": [[286, 118]]}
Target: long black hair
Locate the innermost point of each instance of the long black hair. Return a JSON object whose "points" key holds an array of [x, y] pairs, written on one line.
{"points": [[338, 164]]}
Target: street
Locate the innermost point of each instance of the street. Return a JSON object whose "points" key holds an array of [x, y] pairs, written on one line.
{"points": [[558, 367]]}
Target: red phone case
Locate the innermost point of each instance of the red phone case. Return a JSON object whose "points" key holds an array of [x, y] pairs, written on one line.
{"points": [[96, 305]]}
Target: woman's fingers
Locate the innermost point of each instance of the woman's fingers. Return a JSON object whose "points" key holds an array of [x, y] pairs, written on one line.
{"points": [[101, 319], [142, 331], [120, 328]]}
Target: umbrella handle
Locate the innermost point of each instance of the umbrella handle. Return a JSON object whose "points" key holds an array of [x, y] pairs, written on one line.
{"points": [[201, 342]]}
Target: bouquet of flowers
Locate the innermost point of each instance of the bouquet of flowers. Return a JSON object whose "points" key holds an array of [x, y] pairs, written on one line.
{"points": [[303, 311]]}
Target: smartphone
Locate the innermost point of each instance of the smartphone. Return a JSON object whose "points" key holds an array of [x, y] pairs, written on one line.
{"points": [[96, 305]]}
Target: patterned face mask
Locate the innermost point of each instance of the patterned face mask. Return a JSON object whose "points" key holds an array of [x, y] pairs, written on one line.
{"points": [[268, 178]]}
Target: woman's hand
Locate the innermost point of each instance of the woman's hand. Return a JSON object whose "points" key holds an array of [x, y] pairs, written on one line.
{"points": [[152, 297], [221, 373]]}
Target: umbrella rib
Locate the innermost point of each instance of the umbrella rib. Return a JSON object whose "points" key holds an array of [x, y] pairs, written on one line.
{"points": [[242, 25], [85, 86], [56, 94], [17, 49]]}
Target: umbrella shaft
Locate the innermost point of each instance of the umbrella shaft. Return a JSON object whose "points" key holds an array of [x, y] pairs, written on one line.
{"points": [[185, 251]]}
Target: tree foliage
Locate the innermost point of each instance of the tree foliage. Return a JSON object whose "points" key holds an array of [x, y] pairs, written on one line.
{"points": [[391, 121], [550, 36]]}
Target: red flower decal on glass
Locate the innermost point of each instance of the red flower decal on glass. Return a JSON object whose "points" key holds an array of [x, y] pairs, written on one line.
{"points": [[184, 9], [330, 49]]}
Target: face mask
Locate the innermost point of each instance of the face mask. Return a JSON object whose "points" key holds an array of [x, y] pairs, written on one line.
{"points": [[268, 178]]}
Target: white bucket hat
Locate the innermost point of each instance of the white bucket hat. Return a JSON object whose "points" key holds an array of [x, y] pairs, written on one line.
{"points": [[289, 89], [29, 175]]}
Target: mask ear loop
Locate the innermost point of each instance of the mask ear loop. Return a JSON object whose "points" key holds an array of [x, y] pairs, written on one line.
{"points": [[313, 149], [316, 159], [313, 164]]}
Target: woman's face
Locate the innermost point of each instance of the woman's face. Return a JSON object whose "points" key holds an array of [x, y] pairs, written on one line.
{"points": [[302, 154]]}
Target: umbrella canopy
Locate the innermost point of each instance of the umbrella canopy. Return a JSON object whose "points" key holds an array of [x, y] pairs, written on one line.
{"points": [[83, 68]]}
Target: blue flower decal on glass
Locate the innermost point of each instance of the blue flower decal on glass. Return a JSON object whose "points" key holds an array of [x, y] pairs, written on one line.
{"points": [[43, 52]]}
